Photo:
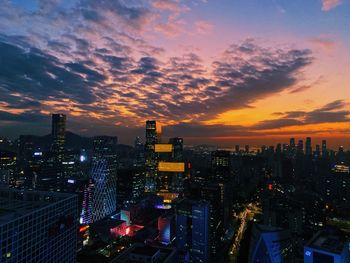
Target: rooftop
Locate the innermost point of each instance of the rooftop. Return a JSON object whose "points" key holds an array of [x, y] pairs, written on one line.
{"points": [[328, 241], [16, 203]]}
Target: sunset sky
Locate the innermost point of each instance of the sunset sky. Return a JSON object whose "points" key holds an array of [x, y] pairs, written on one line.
{"points": [[212, 71]]}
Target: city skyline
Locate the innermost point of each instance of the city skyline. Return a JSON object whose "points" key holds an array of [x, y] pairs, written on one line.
{"points": [[223, 72]]}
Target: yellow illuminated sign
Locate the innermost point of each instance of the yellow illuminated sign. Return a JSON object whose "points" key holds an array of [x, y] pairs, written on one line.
{"points": [[163, 148], [171, 167]]}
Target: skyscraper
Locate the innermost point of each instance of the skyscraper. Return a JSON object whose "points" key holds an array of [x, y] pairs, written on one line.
{"points": [[153, 136], [324, 148], [192, 230], [58, 134], [308, 147], [104, 175]]}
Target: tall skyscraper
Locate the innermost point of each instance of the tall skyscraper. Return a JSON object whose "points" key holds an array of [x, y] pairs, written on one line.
{"points": [[292, 143], [324, 148], [38, 226], [192, 231], [104, 175], [221, 166], [153, 136], [300, 148], [58, 134], [308, 147]]}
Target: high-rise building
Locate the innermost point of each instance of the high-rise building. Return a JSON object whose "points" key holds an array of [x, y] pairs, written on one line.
{"points": [[192, 231], [58, 134], [221, 166], [104, 175], [308, 147], [166, 228], [337, 184], [327, 247], [270, 244], [38, 226], [153, 137], [300, 148], [86, 216], [324, 148], [292, 143]]}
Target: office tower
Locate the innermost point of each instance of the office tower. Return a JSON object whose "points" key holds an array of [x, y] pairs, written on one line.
{"points": [[221, 166], [8, 164], [221, 173], [324, 148], [86, 216], [292, 143], [270, 244], [139, 152], [308, 147], [300, 147], [38, 226], [337, 184], [104, 175], [153, 136], [247, 149], [166, 228], [25, 150], [58, 134], [237, 148], [178, 145], [327, 247], [192, 230], [318, 150]]}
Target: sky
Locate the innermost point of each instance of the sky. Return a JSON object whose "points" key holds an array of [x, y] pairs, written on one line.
{"points": [[221, 72]]}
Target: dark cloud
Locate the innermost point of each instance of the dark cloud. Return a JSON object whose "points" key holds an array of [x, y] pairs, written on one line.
{"points": [[331, 112]]}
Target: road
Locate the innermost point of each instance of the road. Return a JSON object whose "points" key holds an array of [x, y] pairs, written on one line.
{"points": [[244, 217]]}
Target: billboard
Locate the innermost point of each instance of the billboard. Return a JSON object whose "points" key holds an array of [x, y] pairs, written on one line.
{"points": [[171, 167], [163, 148]]}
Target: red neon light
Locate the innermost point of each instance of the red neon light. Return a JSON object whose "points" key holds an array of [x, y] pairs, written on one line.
{"points": [[189, 165], [127, 231], [83, 228], [270, 187]]}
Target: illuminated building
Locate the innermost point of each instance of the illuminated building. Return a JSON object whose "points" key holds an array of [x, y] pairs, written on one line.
{"points": [[213, 193], [324, 148], [221, 167], [166, 228], [58, 134], [8, 163], [38, 226], [87, 204], [26, 150], [327, 247], [192, 230], [104, 175], [270, 244], [153, 137], [130, 185], [221, 173], [337, 184]]}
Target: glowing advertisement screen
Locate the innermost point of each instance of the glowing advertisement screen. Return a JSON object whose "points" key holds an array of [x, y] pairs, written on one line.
{"points": [[171, 167], [163, 148]]}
